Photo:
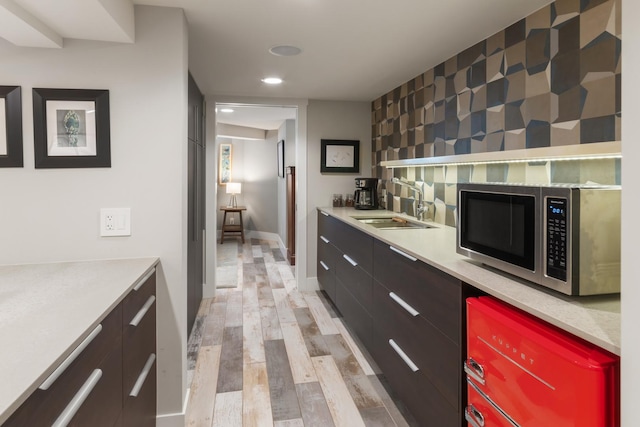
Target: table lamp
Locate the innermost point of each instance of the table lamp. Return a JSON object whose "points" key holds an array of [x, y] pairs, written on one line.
{"points": [[233, 188]]}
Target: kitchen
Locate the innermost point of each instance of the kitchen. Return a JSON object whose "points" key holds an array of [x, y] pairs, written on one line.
{"points": [[131, 71]]}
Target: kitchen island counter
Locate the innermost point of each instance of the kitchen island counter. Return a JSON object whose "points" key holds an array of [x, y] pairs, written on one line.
{"points": [[46, 310], [593, 318]]}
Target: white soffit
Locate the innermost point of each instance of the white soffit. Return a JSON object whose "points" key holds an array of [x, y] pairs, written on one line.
{"points": [[224, 130], [23, 29], [37, 23]]}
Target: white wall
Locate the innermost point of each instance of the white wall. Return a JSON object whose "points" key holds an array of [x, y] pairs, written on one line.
{"points": [[49, 215], [332, 120], [630, 208]]}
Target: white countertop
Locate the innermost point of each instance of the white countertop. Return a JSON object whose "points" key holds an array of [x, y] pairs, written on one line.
{"points": [[593, 318], [46, 310]]}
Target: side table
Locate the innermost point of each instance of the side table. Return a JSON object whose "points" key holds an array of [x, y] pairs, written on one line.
{"points": [[232, 229]]}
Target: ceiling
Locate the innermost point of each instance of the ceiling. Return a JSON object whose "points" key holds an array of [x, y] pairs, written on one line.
{"points": [[352, 50]]}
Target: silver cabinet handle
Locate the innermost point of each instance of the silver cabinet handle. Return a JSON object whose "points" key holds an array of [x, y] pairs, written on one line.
{"points": [[398, 251], [324, 265], [402, 303], [143, 376], [324, 213], [79, 398], [404, 356], [474, 370], [473, 416], [69, 360], [138, 317], [144, 279], [352, 262], [324, 239]]}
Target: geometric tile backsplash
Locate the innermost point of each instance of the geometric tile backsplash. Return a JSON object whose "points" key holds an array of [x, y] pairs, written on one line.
{"points": [[552, 78]]}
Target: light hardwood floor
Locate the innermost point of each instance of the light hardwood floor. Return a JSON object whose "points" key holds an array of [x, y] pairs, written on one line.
{"points": [[264, 354]]}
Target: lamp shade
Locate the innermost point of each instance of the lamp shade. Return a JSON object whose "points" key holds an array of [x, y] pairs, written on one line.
{"points": [[234, 188]]}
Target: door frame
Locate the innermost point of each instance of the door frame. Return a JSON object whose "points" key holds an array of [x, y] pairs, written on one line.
{"points": [[301, 268]]}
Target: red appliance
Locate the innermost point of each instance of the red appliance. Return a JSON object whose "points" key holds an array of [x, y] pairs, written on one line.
{"points": [[524, 372]]}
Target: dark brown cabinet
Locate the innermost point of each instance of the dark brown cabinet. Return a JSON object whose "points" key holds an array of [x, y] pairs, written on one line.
{"points": [[408, 314], [418, 329], [327, 254], [139, 355], [345, 258], [291, 215], [93, 385], [196, 198]]}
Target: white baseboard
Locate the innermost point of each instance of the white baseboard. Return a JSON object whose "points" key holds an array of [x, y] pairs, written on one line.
{"points": [[311, 284], [176, 419], [171, 420]]}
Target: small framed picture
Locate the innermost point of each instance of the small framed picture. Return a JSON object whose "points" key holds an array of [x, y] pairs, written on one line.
{"points": [[281, 158], [339, 156], [71, 128], [224, 164], [11, 127]]}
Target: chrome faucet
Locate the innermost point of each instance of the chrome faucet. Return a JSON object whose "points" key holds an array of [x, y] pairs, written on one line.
{"points": [[419, 190]]}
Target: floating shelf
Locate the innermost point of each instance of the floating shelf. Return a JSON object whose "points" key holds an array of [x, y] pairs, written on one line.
{"points": [[600, 150]]}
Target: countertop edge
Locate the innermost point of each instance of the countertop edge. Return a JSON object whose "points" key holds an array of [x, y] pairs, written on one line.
{"points": [[596, 318]]}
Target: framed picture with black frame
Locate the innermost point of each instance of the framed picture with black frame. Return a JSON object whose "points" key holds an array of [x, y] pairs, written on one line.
{"points": [[339, 156], [11, 155], [281, 158], [71, 128]]}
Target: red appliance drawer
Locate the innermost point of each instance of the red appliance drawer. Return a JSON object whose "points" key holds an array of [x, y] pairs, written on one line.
{"points": [[536, 373], [480, 413]]}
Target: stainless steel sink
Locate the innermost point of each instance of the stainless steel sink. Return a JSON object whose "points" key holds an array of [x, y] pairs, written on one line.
{"points": [[391, 223]]}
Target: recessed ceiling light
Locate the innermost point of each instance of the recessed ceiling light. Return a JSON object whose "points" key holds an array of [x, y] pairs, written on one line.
{"points": [[272, 80], [285, 50], [226, 110]]}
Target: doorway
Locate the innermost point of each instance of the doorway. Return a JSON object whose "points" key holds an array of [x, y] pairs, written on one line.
{"points": [[261, 141]]}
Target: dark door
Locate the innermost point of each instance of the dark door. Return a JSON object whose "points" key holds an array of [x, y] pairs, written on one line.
{"points": [[196, 194]]}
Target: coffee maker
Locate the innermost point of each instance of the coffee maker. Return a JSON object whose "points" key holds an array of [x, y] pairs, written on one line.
{"points": [[366, 195]]}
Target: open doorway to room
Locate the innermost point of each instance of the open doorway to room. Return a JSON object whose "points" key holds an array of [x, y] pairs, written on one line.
{"points": [[256, 153]]}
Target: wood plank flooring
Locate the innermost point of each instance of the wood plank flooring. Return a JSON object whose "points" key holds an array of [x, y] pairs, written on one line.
{"points": [[264, 354]]}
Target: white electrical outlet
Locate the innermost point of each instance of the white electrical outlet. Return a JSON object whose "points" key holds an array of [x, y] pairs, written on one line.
{"points": [[115, 222]]}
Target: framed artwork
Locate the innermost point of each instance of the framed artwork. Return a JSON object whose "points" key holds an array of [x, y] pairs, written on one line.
{"points": [[11, 127], [339, 156], [224, 164], [281, 158], [71, 128]]}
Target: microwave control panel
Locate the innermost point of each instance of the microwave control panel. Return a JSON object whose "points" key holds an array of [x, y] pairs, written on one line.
{"points": [[556, 250]]}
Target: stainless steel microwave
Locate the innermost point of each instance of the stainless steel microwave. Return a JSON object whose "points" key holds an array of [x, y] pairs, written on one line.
{"points": [[564, 237]]}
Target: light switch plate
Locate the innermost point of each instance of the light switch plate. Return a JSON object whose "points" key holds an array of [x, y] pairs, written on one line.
{"points": [[115, 222]]}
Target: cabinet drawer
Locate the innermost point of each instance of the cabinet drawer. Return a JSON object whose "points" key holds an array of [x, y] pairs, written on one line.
{"points": [[138, 297], [356, 245], [354, 314], [104, 404], [139, 356], [326, 268], [138, 343], [436, 356], [328, 227], [434, 294], [45, 404], [357, 281], [422, 399], [140, 410]]}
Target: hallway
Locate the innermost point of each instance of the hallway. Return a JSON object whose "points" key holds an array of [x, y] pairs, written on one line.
{"points": [[264, 354]]}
